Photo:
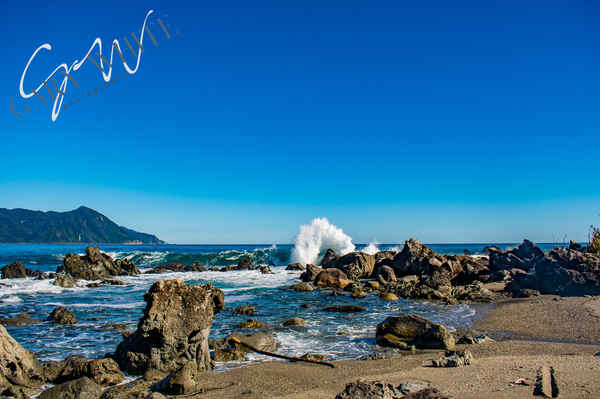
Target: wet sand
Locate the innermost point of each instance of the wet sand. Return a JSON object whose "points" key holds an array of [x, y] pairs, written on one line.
{"points": [[566, 328]]}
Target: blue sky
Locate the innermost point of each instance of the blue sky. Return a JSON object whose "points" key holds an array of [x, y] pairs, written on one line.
{"points": [[451, 122]]}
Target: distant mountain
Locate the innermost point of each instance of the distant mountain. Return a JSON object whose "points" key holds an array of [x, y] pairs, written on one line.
{"points": [[83, 225]]}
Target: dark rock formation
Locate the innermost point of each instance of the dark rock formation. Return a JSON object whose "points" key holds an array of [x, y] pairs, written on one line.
{"points": [[177, 267], [310, 273], [247, 310], [356, 265], [81, 388], [95, 265], [370, 390], [182, 381], [568, 272], [104, 372], [174, 328], [328, 259], [295, 267], [20, 320], [17, 270], [386, 275], [245, 264], [264, 269], [65, 280], [18, 366], [62, 315], [406, 331], [332, 278], [523, 257], [302, 287]]}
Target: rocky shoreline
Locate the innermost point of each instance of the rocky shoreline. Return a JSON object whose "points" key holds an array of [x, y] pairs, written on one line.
{"points": [[172, 353]]}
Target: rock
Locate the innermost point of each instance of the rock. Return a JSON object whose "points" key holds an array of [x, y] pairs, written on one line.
{"points": [[355, 265], [295, 267], [374, 285], [302, 287], [405, 331], [62, 315], [105, 282], [453, 359], [81, 388], [247, 310], [546, 384], [314, 357], [19, 368], [310, 273], [388, 296], [381, 354], [20, 320], [17, 270], [65, 280], [104, 372], [136, 389], [359, 294], [416, 258], [265, 269], [336, 293], [377, 389], [245, 264], [329, 258], [384, 258], [525, 293], [178, 267], [470, 339], [344, 308], [95, 265], [251, 323], [183, 381], [174, 328], [306, 306], [575, 246], [295, 321], [386, 275], [152, 375], [475, 292], [227, 350], [523, 257], [428, 393], [568, 272], [332, 278]]}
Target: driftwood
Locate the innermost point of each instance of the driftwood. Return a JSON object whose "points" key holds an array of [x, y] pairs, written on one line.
{"points": [[292, 358]]}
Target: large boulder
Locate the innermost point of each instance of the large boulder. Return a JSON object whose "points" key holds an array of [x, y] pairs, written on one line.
{"points": [[174, 328], [20, 320], [406, 331], [104, 372], [332, 278], [329, 258], [568, 272], [81, 388], [386, 275], [417, 259], [18, 366], [356, 265], [183, 381], [65, 280], [310, 273], [17, 270], [245, 264], [523, 257], [62, 315], [95, 265]]}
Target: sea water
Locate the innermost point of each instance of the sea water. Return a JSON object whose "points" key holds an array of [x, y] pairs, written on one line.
{"points": [[104, 312]]}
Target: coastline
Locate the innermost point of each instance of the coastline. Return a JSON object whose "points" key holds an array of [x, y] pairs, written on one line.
{"points": [[496, 367]]}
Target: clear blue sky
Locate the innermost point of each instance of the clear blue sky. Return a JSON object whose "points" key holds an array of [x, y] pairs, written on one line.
{"points": [[448, 121]]}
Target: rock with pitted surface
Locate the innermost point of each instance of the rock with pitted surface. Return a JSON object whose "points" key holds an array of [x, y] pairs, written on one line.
{"points": [[65, 280], [406, 331], [17, 270], [310, 273], [355, 265], [62, 315], [95, 265], [18, 367], [103, 372], [183, 381], [174, 328], [370, 390], [384, 258], [568, 272], [454, 359], [332, 278], [386, 275], [81, 388]]}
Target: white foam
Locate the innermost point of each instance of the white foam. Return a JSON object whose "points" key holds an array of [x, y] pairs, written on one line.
{"points": [[318, 236], [370, 249], [28, 286]]}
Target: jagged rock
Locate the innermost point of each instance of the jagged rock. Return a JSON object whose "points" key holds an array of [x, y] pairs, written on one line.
{"points": [[19, 368], [227, 350], [177, 267], [174, 328], [247, 310], [104, 372], [20, 320], [386, 275], [62, 315], [470, 339], [344, 309], [310, 273], [405, 331], [295, 267], [355, 265], [251, 323], [182, 381], [65, 280], [388, 296], [362, 389], [475, 292], [295, 321], [81, 388], [384, 258], [329, 258], [95, 265], [523, 257], [453, 359], [245, 264], [332, 278], [302, 287], [568, 272], [17, 270], [264, 269], [416, 258]]}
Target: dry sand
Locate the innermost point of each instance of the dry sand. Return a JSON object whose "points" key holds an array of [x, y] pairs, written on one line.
{"points": [[569, 330]]}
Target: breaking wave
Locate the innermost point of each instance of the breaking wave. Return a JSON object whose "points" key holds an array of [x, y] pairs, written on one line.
{"points": [[317, 236]]}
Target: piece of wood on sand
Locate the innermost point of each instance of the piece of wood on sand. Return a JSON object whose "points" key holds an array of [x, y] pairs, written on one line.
{"points": [[545, 385]]}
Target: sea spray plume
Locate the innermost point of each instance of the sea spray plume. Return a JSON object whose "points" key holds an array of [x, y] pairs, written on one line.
{"points": [[317, 236], [371, 249]]}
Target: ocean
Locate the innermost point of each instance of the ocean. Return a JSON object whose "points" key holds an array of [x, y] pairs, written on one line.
{"points": [[105, 311]]}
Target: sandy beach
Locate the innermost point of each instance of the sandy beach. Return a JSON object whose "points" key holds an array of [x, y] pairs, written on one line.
{"points": [[540, 331]]}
